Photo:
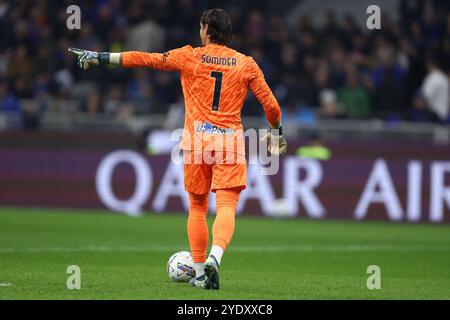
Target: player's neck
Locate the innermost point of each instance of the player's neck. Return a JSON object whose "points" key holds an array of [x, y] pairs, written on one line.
{"points": [[210, 43]]}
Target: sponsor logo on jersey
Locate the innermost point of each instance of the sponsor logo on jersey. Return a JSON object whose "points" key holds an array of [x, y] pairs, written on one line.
{"points": [[165, 56], [212, 129]]}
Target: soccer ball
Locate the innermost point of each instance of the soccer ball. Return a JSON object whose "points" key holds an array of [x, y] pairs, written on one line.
{"points": [[180, 267]]}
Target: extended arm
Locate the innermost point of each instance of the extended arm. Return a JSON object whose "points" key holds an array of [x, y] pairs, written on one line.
{"points": [[276, 143], [171, 60], [262, 92]]}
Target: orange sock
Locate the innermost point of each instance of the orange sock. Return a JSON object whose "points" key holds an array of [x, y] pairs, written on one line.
{"points": [[223, 227], [197, 227]]}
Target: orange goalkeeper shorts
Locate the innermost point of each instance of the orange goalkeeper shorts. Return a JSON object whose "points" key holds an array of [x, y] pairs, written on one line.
{"points": [[210, 170]]}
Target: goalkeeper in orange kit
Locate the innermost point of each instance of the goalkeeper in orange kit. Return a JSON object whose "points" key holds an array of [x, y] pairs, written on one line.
{"points": [[215, 80]]}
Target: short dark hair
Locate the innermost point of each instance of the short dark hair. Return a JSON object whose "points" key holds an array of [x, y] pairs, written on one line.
{"points": [[219, 25], [432, 58]]}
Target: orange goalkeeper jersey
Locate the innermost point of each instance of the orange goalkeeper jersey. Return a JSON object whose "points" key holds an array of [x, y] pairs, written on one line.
{"points": [[215, 80]]}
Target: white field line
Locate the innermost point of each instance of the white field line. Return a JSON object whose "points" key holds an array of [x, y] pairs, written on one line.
{"points": [[245, 249]]}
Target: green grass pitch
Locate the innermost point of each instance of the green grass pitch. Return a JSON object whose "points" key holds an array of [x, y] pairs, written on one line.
{"points": [[125, 258]]}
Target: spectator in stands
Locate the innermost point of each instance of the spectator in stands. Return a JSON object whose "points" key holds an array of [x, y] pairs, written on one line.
{"points": [[436, 89], [8, 101], [114, 99], [93, 103], [329, 107], [387, 97], [421, 112], [354, 97], [315, 149]]}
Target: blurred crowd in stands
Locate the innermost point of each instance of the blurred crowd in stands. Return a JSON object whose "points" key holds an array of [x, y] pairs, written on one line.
{"points": [[337, 71]]}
